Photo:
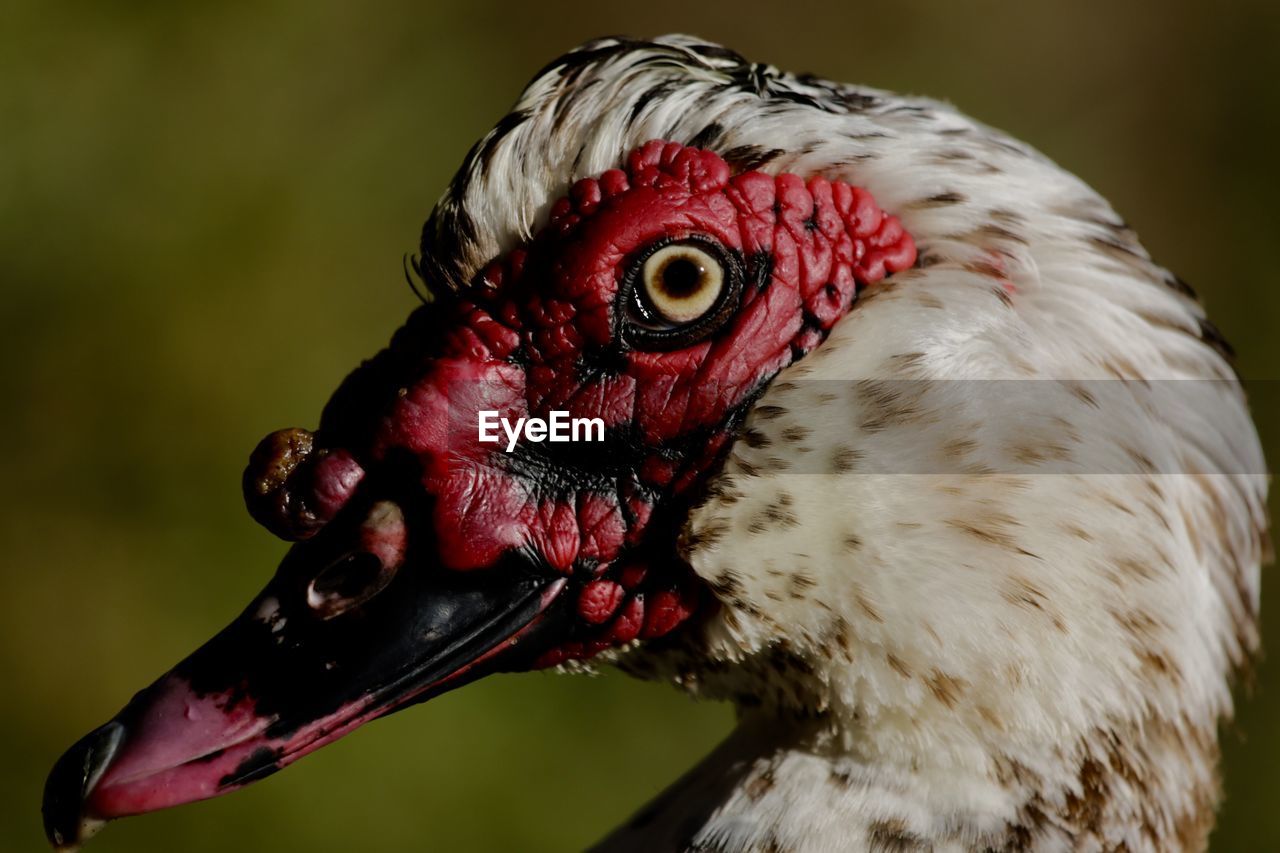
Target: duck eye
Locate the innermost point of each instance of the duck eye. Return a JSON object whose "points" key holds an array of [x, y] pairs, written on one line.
{"points": [[681, 283], [679, 292]]}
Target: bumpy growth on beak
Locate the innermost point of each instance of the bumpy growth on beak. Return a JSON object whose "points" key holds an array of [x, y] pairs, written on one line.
{"points": [[660, 298]]}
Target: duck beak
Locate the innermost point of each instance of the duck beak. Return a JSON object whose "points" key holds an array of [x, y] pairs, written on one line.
{"points": [[280, 682]]}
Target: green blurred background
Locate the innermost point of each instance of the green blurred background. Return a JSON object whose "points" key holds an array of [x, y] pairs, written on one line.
{"points": [[203, 210]]}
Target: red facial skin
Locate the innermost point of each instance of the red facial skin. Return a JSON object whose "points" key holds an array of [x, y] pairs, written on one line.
{"points": [[490, 560], [539, 330]]}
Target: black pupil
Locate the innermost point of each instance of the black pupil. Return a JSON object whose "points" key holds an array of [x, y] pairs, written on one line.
{"points": [[349, 577], [681, 277]]}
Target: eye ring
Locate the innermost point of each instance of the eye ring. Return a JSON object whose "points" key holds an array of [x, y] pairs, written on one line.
{"points": [[677, 291]]}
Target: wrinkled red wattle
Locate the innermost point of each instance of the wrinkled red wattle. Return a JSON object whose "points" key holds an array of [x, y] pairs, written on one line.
{"points": [[535, 334]]}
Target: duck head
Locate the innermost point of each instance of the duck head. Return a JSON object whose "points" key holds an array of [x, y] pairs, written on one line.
{"points": [[657, 303], [879, 501]]}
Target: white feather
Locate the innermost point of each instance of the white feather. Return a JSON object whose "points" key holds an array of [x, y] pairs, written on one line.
{"points": [[1003, 635]]}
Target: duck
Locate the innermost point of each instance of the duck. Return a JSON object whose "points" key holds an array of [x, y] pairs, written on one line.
{"points": [[908, 450]]}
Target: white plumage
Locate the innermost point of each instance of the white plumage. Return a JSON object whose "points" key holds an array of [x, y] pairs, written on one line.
{"points": [[954, 616]]}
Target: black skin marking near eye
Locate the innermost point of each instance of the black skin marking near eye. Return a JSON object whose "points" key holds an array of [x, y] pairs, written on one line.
{"points": [[761, 270], [600, 361]]}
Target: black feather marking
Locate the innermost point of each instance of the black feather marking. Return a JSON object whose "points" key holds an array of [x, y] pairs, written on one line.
{"points": [[661, 90], [1211, 335], [707, 137], [746, 158], [505, 126], [411, 268]]}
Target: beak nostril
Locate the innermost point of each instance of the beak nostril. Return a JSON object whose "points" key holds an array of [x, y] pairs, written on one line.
{"points": [[347, 582], [362, 572]]}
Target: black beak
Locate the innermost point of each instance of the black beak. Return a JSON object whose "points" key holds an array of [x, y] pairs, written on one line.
{"points": [[297, 670]]}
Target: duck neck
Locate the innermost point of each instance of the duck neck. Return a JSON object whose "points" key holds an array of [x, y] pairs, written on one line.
{"points": [[781, 783]]}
